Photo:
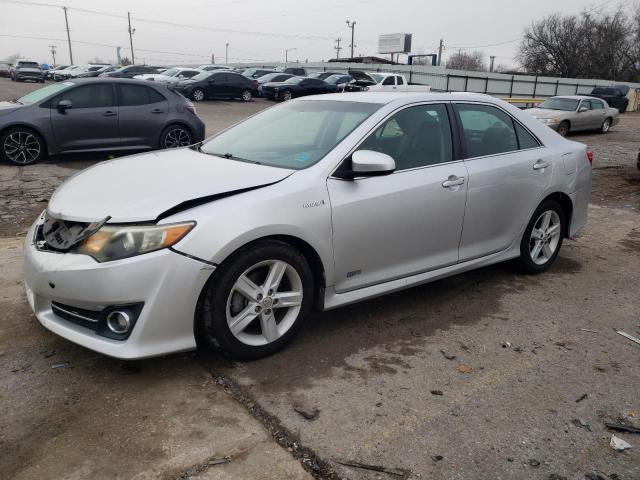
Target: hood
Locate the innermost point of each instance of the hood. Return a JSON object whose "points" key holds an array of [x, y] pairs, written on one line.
{"points": [[8, 107], [151, 76], [143, 187], [545, 112]]}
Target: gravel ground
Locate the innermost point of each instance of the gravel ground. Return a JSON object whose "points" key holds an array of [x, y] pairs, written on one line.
{"points": [[526, 349]]}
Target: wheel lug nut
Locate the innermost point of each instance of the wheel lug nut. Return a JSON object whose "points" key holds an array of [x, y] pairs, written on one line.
{"points": [[267, 311], [258, 308], [270, 292], [259, 297]]}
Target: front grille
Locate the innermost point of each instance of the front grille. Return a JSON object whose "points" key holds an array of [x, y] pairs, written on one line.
{"points": [[79, 316]]}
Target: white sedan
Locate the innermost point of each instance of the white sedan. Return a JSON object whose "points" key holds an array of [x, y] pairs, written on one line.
{"points": [[316, 203], [171, 76]]}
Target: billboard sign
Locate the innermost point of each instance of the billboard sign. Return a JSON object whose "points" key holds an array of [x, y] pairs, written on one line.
{"points": [[394, 43]]}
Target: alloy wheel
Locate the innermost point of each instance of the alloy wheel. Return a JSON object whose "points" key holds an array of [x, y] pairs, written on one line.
{"points": [[246, 95], [177, 137], [606, 125], [545, 237], [563, 129], [286, 96], [264, 302], [22, 147], [198, 95]]}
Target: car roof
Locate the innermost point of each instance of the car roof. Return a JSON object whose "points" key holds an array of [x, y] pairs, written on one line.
{"points": [[402, 98], [574, 97]]}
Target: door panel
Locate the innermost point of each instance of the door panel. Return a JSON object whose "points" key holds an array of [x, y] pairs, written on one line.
{"points": [[142, 115], [92, 122], [394, 226]]}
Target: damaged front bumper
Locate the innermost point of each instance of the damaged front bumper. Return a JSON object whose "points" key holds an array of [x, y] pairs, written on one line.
{"points": [[67, 291]]}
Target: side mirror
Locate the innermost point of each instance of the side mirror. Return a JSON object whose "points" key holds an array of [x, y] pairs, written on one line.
{"points": [[180, 76], [64, 105], [583, 109], [367, 163]]}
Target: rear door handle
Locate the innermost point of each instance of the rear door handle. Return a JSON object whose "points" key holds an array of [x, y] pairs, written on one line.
{"points": [[540, 164], [453, 181], [109, 113], [157, 110]]}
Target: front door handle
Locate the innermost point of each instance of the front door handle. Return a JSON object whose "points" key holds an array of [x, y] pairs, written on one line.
{"points": [[157, 110], [540, 164], [109, 113], [453, 181]]}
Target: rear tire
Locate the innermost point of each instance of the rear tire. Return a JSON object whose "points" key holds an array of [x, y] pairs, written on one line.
{"points": [[240, 312], [606, 125], [175, 136], [21, 146], [542, 238]]}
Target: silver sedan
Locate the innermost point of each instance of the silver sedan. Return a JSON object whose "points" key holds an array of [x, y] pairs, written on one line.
{"points": [[576, 113], [314, 204]]}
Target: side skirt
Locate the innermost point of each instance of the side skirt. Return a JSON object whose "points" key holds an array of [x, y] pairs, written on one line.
{"points": [[333, 300]]}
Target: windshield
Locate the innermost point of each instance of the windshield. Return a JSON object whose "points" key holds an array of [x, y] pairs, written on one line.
{"points": [[172, 72], [201, 76], [376, 78], [334, 79], [565, 104], [294, 80], [42, 93], [292, 135], [269, 77]]}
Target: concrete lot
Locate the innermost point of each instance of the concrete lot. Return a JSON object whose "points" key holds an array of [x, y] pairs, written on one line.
{"points": [[506, 412]]}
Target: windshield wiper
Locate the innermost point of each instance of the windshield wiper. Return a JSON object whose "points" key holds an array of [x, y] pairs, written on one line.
{"points": [[230, 156], [15, 100]]}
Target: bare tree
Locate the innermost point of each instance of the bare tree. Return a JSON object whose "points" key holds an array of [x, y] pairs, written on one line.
{"points": [[474, 61], [12, 58], [593, 44]]}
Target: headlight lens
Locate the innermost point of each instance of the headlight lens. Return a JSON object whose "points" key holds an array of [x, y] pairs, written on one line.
{"points": [[549, 120], [113, 242]]}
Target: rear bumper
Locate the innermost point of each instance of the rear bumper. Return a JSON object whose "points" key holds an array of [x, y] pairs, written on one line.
{"points": [[167, 283]]}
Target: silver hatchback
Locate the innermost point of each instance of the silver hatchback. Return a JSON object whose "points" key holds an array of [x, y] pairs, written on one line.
{"points": [[316, 203]]}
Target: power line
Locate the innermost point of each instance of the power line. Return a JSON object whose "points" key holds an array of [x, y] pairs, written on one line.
{"points": [[490, 45]]}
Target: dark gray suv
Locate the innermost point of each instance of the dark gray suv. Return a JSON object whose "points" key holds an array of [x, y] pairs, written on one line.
{"points": [[96, 114]]}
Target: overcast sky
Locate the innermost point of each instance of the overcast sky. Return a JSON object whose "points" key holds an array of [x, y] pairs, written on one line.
{"points": [[259, 30]]}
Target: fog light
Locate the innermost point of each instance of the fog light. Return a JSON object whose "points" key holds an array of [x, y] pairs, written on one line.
{"points": [[119, 322]]}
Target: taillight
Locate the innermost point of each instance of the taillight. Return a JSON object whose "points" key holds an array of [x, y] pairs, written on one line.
{"points": [[590, 157]]}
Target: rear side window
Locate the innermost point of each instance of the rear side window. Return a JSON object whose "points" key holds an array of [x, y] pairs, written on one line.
{"points": [[525, 139], [596, 105], [88, 96], [487, 130], [400, 80], [131, 95]]}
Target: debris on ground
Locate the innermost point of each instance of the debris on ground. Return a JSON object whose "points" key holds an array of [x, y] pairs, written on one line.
{"points": [[618, 444], [578, 422], [436, 458], [534, 463], [622, 428], [376, 468], [626, 335], [307, 413], [60, 365], [219, 461], [462, 369], [447, 356], [587, 330], [581, 398], [506, 344], [437, 392]]}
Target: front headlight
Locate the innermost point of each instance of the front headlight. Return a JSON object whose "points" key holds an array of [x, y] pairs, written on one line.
{"points": [[548, 120], [114, 242]]}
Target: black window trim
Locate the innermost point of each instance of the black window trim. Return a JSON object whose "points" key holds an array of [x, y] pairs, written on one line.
{"points": [[50, 102], [456, 152], [136, 84], [463, 144]]}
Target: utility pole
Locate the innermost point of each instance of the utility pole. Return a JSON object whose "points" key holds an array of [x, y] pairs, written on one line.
{"points": [[286, 54], [131, 32], [213, 59], [493, 59], [352, 26], [66, 21], [226, 54], [337, 48], [53, 53], [440, 48]]}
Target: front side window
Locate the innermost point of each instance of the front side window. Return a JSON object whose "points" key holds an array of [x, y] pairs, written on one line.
{"points": [[388, 81], [487, 130], [414, 137], [88, 96], [586, 104], [293, 135], [132, 95]]}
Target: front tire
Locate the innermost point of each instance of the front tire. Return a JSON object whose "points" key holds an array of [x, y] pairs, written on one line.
{"points": [[197, 94], [256, 301], [542, 238], [246, 96], [563, 128], [21, 146], [175, 136], [286, 96]]}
